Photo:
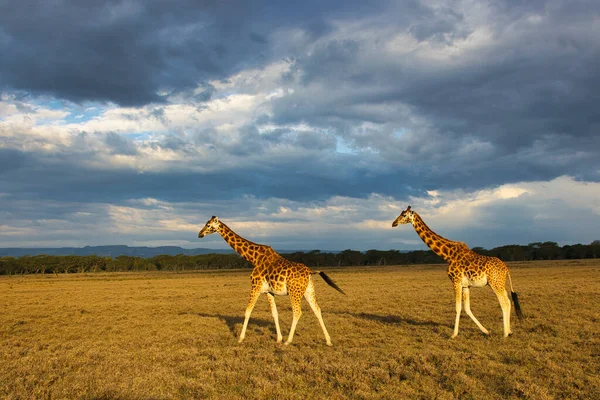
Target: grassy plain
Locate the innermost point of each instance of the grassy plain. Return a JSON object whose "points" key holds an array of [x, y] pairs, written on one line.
{"points": [[165, 335]]}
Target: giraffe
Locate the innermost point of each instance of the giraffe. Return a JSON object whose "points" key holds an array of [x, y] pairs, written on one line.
{"points": [[273, 275], [466, 269]]}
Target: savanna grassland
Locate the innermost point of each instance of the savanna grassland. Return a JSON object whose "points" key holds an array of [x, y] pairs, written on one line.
{"points": [[163, 335]]}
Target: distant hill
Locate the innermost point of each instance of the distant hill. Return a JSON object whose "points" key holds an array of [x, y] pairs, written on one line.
{"points": [[108, 251]]}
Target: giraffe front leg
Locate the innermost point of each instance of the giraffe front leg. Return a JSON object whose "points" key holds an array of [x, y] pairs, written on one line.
{"points": [[458, 297], [275, 316], [253, 298], [297, 312], [466, 295]]}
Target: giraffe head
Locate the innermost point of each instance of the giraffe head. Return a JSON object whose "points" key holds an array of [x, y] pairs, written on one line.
{"points": [[406, 217], [211, 226]]}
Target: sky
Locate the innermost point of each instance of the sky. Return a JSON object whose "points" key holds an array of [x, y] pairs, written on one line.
{"points": [[301, 125]]}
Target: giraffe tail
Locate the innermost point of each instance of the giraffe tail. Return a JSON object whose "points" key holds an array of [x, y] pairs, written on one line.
{"points": [[515, 297], [329, 281]]}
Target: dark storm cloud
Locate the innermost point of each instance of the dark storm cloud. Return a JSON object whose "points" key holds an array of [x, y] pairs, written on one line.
{"points": [[10, 160], [120, 145], [299, 166], [128, 52], [522, 106]]}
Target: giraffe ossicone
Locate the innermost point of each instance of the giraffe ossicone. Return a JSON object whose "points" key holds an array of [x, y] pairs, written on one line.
{"points": [[466, 269], [273, 275]]}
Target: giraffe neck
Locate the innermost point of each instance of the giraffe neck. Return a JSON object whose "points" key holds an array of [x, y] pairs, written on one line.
{"points": [[247, 249], [441, 246]]}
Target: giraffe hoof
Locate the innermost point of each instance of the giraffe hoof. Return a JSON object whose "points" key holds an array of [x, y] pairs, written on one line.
{"points": [[329, 344]]}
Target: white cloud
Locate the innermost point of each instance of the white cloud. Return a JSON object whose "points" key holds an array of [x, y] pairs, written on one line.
{"points": [[7, 109], [562, 210]]}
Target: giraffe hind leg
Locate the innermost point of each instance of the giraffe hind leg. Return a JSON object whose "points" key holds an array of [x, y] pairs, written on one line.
{"points": [[505, 305], [296, 299], [311, 298], [466, 298]]}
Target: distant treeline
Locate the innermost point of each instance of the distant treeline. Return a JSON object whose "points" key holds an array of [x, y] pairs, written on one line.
{"points": [[44, 264]]}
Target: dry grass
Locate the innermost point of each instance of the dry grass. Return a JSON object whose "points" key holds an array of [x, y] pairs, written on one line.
{"points": [[166, 336]]}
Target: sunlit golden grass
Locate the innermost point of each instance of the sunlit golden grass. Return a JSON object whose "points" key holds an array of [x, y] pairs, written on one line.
{"points": [[169, 336]]}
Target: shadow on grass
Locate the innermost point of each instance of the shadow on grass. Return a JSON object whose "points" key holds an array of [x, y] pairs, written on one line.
{"points": [[232, 321], [390, 319]]}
